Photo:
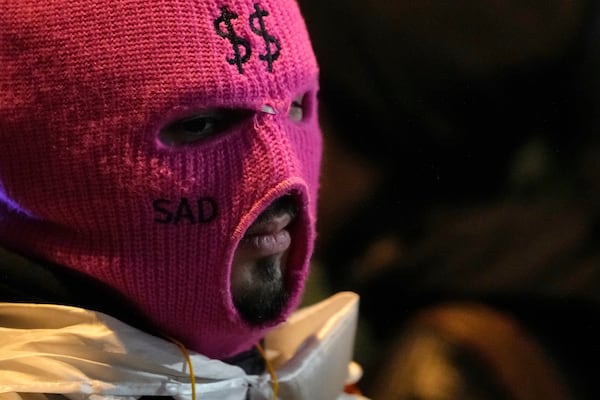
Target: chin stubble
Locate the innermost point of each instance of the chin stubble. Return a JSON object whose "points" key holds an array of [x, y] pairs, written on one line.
{"points": [[266, 300]]}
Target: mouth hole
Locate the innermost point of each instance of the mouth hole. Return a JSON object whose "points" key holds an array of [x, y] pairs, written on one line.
{"points": [[284, 204], [261, 287]]}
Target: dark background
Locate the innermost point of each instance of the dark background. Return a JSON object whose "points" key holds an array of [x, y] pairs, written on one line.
{"points": [[462, 162]]}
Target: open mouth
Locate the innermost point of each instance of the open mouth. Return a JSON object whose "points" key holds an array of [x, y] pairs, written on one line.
{"points": [[269, 234], [260, 286]]}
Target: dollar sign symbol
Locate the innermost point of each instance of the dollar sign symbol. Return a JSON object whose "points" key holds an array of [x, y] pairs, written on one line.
{"points": [[236, 41], [269, 56]]}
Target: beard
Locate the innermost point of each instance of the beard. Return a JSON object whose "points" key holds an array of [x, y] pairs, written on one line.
{"points": [[264, 297]]}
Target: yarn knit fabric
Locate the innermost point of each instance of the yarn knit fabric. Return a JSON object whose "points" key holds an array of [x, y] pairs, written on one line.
{"points": [[86, 86]]}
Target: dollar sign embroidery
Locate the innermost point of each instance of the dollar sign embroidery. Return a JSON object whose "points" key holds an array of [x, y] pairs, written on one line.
{"points": [[269, 56], [236, 41]]}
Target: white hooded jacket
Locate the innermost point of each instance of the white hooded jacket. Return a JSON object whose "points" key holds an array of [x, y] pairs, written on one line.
{"points": [[81, 354]]}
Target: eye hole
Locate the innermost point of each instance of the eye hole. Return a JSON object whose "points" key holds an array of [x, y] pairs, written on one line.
{"points": [[201, 126], [297, 109]]}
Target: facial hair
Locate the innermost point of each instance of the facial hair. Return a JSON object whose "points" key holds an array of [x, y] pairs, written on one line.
{"points": [[264, 298]]}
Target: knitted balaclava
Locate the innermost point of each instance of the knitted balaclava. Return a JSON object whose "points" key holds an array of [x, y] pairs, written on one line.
{"points": [[87, 87]]}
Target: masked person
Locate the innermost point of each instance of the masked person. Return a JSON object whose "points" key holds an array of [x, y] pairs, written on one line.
{"points": [[158, 185]]}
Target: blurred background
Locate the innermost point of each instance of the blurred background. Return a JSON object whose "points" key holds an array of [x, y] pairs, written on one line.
{"points": [[460, 192]]}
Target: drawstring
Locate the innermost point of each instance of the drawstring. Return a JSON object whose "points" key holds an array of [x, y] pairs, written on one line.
{"points": [[271, 370], [188, 360]]}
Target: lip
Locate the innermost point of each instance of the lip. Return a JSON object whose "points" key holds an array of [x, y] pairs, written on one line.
{"points": [[267, 237]]}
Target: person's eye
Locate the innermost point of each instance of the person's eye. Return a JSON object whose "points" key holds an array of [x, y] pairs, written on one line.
{"points": [[296, 112], [199, 127]]}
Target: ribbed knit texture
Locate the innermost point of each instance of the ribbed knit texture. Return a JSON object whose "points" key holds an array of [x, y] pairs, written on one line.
{"points": [[85, 88]]}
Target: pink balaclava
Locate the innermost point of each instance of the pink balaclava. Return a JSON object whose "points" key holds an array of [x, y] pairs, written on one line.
{"points": [[87, 87]]}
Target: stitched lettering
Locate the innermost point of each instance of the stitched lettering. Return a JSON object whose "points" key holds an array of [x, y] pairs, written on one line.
{"points": [[269, 39], [203, 210], [238, 43], [241, 46]]}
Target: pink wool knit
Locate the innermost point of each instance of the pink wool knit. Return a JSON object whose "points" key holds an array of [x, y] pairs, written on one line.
{"points": [[85, 88]]}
